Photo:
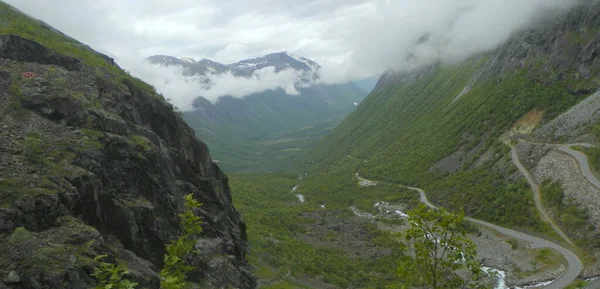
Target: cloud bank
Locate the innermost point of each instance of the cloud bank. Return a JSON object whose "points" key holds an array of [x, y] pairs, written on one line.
{"points": [[182, 90], [350, 39]]}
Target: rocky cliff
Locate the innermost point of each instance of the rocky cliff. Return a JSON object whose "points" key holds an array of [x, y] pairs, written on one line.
{"points": [[93, 162]]}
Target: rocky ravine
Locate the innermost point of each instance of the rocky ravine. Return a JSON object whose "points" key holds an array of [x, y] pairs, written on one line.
{"points": [[92, 164]]}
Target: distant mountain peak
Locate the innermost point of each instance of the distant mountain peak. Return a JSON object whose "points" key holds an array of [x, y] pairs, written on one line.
{"points": [[278, 60], [164, 60]]}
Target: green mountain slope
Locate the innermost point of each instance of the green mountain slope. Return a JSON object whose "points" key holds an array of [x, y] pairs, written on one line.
{"points": [[439, 128], [270, 130]]}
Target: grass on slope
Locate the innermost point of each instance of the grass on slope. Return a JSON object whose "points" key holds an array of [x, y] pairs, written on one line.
{"points": [[593, 153], [16, 23]]}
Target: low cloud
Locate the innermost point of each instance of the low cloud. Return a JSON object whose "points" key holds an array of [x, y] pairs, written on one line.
{"points": [[350, 39], [402, 35], [182, 90], [262, 80]]}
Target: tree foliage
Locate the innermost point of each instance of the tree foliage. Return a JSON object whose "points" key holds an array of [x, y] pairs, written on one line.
{"points": [[175, 269], [439, 253], [111, 276], [286, 240]]}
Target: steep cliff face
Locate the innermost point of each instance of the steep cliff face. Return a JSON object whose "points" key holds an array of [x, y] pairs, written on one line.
{"points": [[94, 162]]}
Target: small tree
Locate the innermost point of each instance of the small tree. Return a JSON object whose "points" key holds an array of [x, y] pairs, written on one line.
{"points": [[111, 276], [440, 255], [174, 271]]}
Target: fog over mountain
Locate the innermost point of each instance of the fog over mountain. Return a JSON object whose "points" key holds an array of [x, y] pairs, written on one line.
{"points": [[184, 79], [349, 39]]}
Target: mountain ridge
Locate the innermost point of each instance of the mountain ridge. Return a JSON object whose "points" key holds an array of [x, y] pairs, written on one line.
{"points": [[243, 68]]}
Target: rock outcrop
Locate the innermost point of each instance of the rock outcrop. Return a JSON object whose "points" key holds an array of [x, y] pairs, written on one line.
{"points": [[94, 163]]}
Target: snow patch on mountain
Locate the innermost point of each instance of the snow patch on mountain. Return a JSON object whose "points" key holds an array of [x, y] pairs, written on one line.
{"points": [[188, 59], [313, 65]]}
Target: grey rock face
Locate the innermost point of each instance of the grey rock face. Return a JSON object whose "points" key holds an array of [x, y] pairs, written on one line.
{"points": [[560, 42], [551, 50], [12, 278], [24, 50], [562, 168], [573, 122]]}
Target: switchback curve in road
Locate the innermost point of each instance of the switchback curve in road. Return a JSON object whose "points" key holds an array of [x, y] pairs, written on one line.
{"points": [[574, 264], [582, 159], [537, 195]]}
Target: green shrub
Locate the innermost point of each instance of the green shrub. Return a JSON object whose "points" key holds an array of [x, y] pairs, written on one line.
{"points": [[34, 151], [514, 244], [577, 284], [174, 272], [569, 214], [111, 276], [141, 142], [15, 100]]}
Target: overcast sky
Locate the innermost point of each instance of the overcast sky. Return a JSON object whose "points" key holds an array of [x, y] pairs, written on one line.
{"points": [[351, 39]]}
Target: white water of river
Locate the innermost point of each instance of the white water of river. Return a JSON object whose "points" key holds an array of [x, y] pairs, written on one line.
{"points": [[501, 275], [385, 209]]}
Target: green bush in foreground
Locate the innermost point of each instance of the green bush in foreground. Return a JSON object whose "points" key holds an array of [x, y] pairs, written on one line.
{"points": [[111, 276], [173, 274], [441, 250]]}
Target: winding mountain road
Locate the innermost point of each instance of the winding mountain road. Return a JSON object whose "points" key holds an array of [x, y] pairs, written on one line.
{"points": [[582, 159], [586, 171], [537, 195], [574, 264], [593, 285]]}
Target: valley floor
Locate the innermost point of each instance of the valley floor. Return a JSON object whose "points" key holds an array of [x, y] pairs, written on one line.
{"points": [[325, 238]]}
